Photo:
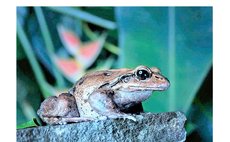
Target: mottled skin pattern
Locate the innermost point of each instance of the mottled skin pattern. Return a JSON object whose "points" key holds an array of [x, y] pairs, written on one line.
{"points": [[103, 94]]}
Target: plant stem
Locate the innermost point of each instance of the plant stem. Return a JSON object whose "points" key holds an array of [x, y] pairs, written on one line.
{"points": [[44, 86], [49, 45]]}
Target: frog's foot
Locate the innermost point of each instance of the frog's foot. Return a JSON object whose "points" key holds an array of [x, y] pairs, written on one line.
{"points": [[51, 120], [121, 115], [102, 118], [129, 117], [115, 116], [75, 120], [65, 120]]}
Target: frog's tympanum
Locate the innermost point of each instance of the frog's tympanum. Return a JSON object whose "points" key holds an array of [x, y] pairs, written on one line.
{"points": [[103, 94]]}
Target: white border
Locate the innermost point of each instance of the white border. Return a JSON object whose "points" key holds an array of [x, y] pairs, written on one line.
{"points": [[221, 70], [8, 73], [221, 56], [114, 3]]}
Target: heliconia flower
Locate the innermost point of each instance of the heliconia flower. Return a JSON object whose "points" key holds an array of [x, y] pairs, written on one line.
{"points": [[89, 52], [70, 41], [85, 53], [70, 68]]}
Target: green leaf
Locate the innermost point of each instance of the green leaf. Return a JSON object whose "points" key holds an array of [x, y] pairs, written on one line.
{"points": [[85, 16], [49, 45], [178, 40], [31, 123], [190, 127], [103, 12], [20, 52], [40, 78]]}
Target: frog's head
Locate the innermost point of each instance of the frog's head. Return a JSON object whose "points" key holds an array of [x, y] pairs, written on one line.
{"points": [[143, 78]]}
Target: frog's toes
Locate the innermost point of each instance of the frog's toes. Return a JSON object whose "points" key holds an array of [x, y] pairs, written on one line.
{"points": [[62, 123], [129, 117], [103, 118]]}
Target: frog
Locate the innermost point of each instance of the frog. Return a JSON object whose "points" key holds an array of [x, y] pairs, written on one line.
{"points": [[102, 95]]}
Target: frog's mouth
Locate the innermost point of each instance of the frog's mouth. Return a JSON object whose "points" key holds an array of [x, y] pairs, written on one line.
{"points": [[159, 87], [138, 88]]}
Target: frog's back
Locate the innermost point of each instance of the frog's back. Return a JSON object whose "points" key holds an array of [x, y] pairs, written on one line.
{"points": [[91, 81]]}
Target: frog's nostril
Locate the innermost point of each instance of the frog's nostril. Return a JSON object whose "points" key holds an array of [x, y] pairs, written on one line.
{"points": [[157, 77]]}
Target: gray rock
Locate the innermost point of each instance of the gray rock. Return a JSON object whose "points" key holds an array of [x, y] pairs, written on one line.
{"points": [[150, 127]]}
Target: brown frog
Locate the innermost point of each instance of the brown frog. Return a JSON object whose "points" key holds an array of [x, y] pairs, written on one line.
{"points": [[103, 94]]}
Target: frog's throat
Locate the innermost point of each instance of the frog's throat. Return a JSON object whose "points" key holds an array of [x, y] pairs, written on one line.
{"points": [[125, 97]]}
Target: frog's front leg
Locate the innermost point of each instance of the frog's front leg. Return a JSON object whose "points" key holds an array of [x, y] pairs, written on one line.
{"points": [[60, 110], [102, 102]]}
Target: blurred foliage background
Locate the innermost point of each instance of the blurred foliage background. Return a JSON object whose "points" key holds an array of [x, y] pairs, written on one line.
{"points": [[57, 45]]}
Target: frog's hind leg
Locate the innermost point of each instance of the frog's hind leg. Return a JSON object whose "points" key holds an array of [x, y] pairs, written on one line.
{"points": [[102, 102], [60, 110]]}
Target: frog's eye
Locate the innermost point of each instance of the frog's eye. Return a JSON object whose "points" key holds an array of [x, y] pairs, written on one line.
{"points": [[142, 74]]}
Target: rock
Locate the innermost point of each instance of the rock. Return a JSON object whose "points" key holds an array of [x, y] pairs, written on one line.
{"points": [[149, 127]]}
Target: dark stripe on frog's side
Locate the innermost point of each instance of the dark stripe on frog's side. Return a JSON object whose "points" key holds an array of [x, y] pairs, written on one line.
{"points": [[72, 90], [122, 78], [103, 85], [80, 81]]}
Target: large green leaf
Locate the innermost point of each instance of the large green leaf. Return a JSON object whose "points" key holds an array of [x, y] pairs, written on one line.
{"points": [[178, 40], [31, 123]]}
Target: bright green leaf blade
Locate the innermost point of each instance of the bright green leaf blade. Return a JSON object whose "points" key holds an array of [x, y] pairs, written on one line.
{"points": [[31, 123], [77, 13], [177, 40], [103, 12], [20, 52], [190, 127], [40, 78]]}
